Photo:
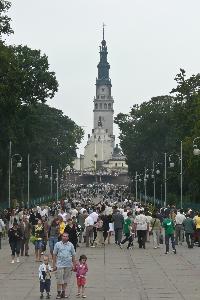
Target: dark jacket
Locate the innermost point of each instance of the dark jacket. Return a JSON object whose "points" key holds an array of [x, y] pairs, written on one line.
{"points": [[118, 220], [189, 225]]}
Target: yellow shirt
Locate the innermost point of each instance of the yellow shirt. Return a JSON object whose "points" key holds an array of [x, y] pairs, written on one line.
{"points": [[62, 227], [197, 222]]}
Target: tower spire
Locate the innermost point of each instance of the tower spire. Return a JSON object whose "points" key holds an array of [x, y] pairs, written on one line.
{"points": [[103, 30]]}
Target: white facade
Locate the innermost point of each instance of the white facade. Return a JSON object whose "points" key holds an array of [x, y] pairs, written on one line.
{"points": [[99, 148]]}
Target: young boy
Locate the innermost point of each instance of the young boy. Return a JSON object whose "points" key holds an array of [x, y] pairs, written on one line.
{"points": [[45, 277], [81, 271]]}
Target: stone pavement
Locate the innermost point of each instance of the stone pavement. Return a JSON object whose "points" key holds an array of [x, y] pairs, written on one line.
{"points": [[114, 274]]}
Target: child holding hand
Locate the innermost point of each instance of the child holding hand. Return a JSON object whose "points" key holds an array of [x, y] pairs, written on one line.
{"points": [[81, 270]]}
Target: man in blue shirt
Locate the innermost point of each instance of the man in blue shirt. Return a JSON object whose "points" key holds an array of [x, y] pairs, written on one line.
{"points": [[63, 261]]}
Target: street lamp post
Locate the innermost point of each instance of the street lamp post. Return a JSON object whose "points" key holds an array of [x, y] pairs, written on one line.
{"points": [[181, 171], [28, 186], [145, 185], [57, 185], [165, 179], [136, 187], [10, 159], [196, 150]]}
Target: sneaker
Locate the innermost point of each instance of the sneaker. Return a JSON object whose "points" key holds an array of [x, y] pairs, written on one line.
{"points": [[166, 252], [58, 296], [12, 262], [174, 251], [155, 247], [120, 246], [47, 296], [41, 296], [18, 260]]}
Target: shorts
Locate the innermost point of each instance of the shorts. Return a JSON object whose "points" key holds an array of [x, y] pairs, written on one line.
{"points": [[38, 245], [81, 281], [63, 275]]}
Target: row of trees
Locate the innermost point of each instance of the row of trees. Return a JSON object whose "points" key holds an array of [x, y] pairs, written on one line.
{"points": [[50, 137], [158, 126]]}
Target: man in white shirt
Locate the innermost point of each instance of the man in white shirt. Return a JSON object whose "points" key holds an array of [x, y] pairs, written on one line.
{"points": [[179, 230], [89, 225], [141, 222]]}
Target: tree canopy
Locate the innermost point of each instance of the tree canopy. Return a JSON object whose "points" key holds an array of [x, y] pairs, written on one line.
{"points": [[26, 83], [158, 126]]}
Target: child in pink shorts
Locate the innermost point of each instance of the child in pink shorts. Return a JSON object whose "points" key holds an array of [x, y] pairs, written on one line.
{"points": [[81, 271]]}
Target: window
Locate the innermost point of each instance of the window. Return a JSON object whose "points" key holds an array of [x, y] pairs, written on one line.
{"points": [[100, 105], [115, 164], [122, 164], [105, 106], [109, 105], [96, 106], [102, 90], [103, 97]]}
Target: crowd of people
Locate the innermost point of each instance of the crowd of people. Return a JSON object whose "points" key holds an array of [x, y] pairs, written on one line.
{"points": [[92, 216]]}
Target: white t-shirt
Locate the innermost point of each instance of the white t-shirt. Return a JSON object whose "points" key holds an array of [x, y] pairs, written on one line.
{"points": [[74, 212], [141, 221], [94, 216]]}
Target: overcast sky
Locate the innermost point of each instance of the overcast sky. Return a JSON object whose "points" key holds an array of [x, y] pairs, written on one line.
{"points": [[148, 41]]}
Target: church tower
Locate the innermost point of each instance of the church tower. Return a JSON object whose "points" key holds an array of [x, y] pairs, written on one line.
{"points": [[103, 102], [100, 144]]}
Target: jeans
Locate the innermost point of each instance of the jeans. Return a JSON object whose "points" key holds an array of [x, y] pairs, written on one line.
{"points": [[52, 242], [89, 235], [15, 247], [167, 238], [179, 233], [45, 285], [189, 239], [118, 235], [24, 246], [141, 234], [129, 239], [156, 237]]}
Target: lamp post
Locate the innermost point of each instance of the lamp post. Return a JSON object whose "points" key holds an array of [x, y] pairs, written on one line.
{"points": [[10, 161], [28, 186], [153, 176], [171, 164], [165, 179], [136, 187], [145, 185], [196, 150], [57, 185]]}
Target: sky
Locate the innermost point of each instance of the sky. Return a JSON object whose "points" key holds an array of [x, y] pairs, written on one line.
{"points": [[148, 42]]}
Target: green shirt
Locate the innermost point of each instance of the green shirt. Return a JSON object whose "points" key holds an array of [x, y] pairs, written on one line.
{"points": [[127, 224], [168, 225]]}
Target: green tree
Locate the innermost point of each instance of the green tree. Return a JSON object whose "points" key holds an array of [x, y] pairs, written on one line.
{"points": [[5, 27]]}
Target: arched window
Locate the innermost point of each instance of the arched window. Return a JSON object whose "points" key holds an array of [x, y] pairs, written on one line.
{"points": [[105, 105], [96, 106], [100, 105], [109, 105]]}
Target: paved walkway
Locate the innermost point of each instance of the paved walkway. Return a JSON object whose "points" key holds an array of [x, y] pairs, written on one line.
{"points": [[114, 274]]}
